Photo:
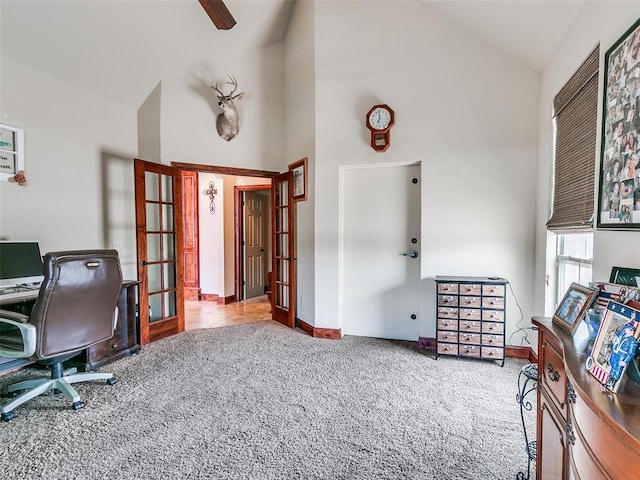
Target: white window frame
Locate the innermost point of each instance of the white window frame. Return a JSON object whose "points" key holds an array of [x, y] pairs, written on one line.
{"points": [[562, 261], [11, 148]]}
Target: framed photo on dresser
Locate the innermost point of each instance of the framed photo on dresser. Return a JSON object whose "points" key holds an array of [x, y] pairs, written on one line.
{"points": [[574, 305], [615, 345]]}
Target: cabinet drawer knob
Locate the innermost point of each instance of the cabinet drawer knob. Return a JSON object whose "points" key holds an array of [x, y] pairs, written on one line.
{"points": [[114, 346], [554, 376]]}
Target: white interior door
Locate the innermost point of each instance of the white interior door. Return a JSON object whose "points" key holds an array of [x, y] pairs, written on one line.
{"points": [[381, 225], [255, 253]]}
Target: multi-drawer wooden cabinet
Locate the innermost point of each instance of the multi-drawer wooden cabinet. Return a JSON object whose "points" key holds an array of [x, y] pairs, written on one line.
{"points": [[470, 317], [583, 431]]}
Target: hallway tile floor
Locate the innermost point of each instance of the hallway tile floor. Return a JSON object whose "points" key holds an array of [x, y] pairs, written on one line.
{"points": [[203, 314]]}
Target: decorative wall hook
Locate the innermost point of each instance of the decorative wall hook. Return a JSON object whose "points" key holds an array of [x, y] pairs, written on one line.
{"points": [[211, 192], [19, 178]]}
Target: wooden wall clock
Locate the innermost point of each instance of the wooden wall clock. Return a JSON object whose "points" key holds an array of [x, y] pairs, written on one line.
{"points": [[380, 120]]}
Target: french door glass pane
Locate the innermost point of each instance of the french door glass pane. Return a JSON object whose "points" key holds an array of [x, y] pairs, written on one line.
{"points": [[170, 304], [283, 296], [167, 188], [153, 275], [153, 217], [169, 275], [155, 307], [151, 186], [167, 218], [153, 247], [168, 247]]}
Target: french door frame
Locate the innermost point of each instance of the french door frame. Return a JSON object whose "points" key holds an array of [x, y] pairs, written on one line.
{"points": [[291, 313]]}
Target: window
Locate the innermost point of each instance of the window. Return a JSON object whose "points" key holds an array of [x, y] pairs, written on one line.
{"points": [[575, 112], [574, 257]]}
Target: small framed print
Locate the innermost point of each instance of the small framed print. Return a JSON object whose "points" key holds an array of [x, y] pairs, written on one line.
{"points": [[299, 173], [573, 306], [615, 345], [625, 276], [11, 151]]}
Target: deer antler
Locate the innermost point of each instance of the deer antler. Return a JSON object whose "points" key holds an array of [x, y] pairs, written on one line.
{"points": [[215, 87], [233, 82]]}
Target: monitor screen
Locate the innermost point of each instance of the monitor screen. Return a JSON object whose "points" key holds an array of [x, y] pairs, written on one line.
{"points": [[20, 263]]}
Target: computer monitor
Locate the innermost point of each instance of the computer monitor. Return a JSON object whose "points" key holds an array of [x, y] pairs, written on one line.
{"points": [[20, 263]]}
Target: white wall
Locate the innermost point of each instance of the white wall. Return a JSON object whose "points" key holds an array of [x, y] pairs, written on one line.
{"points": [[79, 149], [300, 108], [211, 236], [598, 22], [465, 111], [149, 123], [190, 108]]}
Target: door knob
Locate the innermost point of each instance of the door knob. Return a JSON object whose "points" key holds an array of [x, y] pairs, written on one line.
{"points": [[411, 253]]}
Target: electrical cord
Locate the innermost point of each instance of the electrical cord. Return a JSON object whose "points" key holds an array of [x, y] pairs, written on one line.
{"points": [[519, 327]]}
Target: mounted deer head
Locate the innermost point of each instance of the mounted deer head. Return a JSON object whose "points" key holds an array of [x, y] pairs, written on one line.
{"points": [[227, 122]]}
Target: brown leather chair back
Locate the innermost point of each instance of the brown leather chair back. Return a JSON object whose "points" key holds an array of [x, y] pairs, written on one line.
{"points": [[77, 299]]}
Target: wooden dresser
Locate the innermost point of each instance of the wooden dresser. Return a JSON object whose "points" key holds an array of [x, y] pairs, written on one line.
{"points": [[470, 317], [583, 431]]}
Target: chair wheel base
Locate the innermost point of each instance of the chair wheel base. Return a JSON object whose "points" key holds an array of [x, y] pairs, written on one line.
{"points": [[77, 405], [8, 416], [112, 381]]}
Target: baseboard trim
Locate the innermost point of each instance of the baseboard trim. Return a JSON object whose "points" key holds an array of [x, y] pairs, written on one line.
{"points": [[227, 300], [209, 297], [526, 353], [426, 343], [329, 333], [214, 297]]}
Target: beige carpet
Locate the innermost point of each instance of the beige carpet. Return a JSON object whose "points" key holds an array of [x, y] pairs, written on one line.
{"points": [[260, 401]]}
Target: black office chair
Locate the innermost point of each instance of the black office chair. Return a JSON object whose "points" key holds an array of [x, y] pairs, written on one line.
{"points": [[75, 308]]}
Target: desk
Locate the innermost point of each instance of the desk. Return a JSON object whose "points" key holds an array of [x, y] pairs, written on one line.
{"points": [[125, 340]]}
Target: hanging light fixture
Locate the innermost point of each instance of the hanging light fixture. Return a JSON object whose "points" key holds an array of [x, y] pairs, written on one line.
{"points": [[211, 192]]}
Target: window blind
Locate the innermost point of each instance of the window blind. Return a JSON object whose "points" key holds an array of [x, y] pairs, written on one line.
{"points": [[575, 109]]}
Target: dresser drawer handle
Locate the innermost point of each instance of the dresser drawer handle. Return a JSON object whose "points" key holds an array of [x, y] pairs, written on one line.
{"points": [[571, 437], [554, 376]]}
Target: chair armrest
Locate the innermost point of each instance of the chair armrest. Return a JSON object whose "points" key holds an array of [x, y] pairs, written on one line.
{"points": [[19, 317], [12, 345]]}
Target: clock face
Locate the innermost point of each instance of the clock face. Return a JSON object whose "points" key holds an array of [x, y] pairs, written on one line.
{"points": [[380, 118]]}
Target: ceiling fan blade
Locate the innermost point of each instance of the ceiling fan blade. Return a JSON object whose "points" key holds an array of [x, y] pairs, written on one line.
{"points": [[218, 13]]}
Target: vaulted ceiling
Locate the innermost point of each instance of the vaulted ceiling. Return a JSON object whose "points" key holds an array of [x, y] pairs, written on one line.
{"points": [[122, 49]]}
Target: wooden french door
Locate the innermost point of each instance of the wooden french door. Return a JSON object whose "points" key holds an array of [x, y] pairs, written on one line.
{"points": [[283, 246], [159, 236], [191, 235]]}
